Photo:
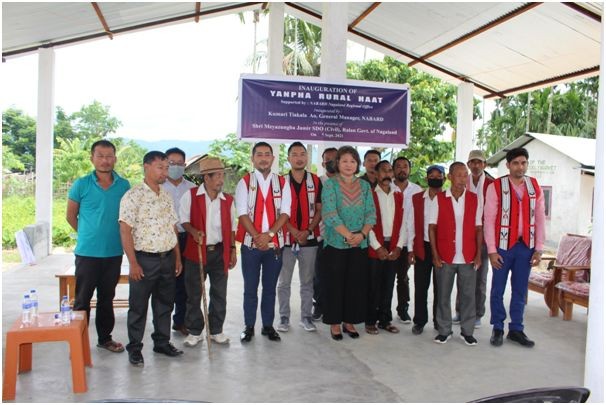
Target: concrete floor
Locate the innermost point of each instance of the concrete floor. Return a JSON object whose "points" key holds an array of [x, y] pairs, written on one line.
{"points": [[304, 367]]}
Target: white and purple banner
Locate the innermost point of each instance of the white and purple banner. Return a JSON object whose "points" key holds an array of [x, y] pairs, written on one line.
{"points": [[306, 109]]}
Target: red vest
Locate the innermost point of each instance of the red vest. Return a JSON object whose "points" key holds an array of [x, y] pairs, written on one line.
{"points": [[397, 223], [302, 199], [446, 227], [508, 234], [487, 182], [258, 206], [197, 218], [418, 202]]}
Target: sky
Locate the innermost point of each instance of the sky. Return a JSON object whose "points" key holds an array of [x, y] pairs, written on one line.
{"points": [[176, 82]]}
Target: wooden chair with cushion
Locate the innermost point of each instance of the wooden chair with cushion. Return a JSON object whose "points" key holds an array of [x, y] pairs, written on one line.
{"points": [[572, 263]]}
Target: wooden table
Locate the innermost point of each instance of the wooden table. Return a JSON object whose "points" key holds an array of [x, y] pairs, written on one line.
{"points": [[67, 286], [19, 341]]}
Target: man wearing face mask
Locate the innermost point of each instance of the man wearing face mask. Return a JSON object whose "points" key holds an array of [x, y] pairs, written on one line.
{"points": [[418, 241], [329, 163], [401, 172], [176, 186]]}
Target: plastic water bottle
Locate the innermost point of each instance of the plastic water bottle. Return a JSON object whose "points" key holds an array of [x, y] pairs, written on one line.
{"points": [[66, 311], [33, 297], [26, 311]]}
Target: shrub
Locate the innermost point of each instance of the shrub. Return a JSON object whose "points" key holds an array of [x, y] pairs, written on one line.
{"points": [[19, 211]]}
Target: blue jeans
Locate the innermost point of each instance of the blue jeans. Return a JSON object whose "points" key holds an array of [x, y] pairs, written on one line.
{"points": [[253, 260], [516, 260]]}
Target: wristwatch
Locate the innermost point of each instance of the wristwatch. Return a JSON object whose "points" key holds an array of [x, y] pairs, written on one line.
{"points": [[271, 234]]}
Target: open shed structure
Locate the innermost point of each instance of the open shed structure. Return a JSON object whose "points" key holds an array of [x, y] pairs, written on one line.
{"points": [[486, 49]]}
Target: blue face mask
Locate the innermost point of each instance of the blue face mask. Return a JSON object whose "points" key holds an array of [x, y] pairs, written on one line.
{"points": [[175, 172]]}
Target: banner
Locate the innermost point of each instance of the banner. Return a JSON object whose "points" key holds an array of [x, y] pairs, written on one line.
{"points": [[311, 111]]}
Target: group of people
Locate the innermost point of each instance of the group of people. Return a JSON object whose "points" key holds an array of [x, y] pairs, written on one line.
{"points": [[351, 236]]}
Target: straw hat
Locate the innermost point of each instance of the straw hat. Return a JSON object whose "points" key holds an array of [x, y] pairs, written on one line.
{"points": [[210, 165]]}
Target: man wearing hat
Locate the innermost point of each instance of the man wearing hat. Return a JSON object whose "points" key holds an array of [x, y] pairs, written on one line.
{"points": [[418, 243], [209, 217], [478, 182]]}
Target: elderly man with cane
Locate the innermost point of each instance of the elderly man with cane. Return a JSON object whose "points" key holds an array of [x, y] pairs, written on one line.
{"points": [[208, 216]]}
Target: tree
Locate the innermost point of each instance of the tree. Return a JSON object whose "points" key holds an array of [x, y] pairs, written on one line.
{"points": [[94, 121], [10, 161], [302, 47], [19, 135], [569, 110], [433, 107]]}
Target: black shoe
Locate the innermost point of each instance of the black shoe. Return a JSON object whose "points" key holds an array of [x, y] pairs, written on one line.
{"points": [[181, 328], [520, 337], [247, 334], [417, 329], [338, 336], [136, 358], [169, 350], [352, 334], [469, 340], [271, 333], [405, 318], [497, 337]]}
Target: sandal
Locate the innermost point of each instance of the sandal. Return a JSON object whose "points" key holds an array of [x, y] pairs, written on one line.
{"points": [[372, 330], [390, 328], [112, 346]]}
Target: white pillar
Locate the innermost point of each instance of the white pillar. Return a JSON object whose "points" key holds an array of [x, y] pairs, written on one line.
{"points": [[334, 52], [464, 121], [594, 348], [44, 138], [275, 56]]}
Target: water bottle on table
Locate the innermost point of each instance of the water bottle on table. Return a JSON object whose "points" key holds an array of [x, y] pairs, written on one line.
{"points": [[26, 311], [33, 297], [66, 311]]}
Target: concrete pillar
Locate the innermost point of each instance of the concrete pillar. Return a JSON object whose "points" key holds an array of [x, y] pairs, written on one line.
{"points": [[464, 121], [275, 56], [334, 53], [594, 348], [44, 139]]}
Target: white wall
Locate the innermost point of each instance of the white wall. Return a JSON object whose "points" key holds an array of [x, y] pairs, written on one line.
{"points": [[570, 202]]}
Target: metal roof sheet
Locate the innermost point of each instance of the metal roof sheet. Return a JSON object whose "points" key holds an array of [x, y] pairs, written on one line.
{"points": [[503, 48]]}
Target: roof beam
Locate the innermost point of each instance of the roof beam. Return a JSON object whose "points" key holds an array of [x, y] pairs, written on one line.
{"points": [[364, 14], [594, 69], [401, 52], [102, 19], [583, 11], [198, 7], [130, 28], [478, 31]]}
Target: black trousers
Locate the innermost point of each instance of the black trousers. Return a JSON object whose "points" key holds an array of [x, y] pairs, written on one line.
{"points": [[381, 278], [180, 291], [159, 283], [102, 274], [318, 279], [345, 291], [217, 293], [403, 288], [422, 279]]}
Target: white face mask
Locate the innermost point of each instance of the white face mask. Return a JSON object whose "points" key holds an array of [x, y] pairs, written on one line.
{"points": [[175, 172]]}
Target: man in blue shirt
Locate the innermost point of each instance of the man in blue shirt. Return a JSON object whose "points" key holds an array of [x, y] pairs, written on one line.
{"points": [[92, 210]]}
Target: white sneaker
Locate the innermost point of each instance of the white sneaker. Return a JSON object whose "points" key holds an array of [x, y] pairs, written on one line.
{"points": [[220, 338], [192, 340]]}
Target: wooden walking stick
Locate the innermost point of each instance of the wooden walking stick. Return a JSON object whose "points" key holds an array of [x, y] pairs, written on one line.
{"points": [[204, 303]]}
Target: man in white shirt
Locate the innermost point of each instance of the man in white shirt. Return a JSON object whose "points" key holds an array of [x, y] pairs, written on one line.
{"points": [[209, 217], [386, 240], [177, 185], [263, 208], [456, 217], [401, 171]]}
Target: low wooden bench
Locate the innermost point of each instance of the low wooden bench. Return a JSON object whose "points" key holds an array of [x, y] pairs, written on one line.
{"points": [[67, 286]]}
